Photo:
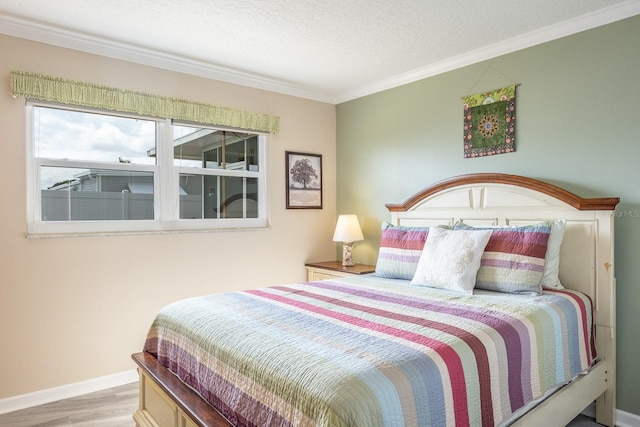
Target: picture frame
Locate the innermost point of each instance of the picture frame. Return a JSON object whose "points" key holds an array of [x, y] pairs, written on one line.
{"points": [[304, 180]]}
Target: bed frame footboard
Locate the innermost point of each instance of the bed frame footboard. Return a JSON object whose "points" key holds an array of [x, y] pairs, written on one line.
{"points": [[166, 401]]}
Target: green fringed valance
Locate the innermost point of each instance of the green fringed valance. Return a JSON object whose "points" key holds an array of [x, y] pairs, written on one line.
{"points": [[53, 89]]}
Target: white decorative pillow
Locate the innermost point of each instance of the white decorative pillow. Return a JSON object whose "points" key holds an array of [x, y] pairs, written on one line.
{"points": [[450, 259]]}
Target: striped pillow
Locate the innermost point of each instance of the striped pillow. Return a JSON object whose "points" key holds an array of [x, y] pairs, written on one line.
{"points": [[514, 259], [400, 250]]}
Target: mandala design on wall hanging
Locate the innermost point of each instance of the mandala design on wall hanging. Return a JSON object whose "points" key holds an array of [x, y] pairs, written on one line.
{"points": [[489, 122]]}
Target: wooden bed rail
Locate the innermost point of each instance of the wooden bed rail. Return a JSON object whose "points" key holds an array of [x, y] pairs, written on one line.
{"points": [[159, 385]]}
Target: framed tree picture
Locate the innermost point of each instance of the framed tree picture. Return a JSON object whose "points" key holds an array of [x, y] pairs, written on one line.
{"points": [[304, 180]]}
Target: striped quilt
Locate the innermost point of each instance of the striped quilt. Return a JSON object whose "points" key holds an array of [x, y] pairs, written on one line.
{"points": [[368, 351]]}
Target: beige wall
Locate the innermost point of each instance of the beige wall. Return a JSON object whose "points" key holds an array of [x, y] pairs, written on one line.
{"points": [[73, 309]]}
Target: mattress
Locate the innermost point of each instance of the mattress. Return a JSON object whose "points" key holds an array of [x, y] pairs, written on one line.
{"points": [[368, 351]]}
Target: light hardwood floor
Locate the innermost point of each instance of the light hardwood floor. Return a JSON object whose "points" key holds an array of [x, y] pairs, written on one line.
{"points": [[113, 407]]}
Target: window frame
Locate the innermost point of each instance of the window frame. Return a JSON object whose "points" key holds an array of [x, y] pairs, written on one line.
{"points": [[166, 184]]}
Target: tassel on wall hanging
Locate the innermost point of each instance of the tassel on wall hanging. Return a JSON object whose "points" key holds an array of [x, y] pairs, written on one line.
{"points": [[489, 122]]}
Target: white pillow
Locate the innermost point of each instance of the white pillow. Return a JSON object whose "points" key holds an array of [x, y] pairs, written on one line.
{"points": [[550, 277], [450, 259]]}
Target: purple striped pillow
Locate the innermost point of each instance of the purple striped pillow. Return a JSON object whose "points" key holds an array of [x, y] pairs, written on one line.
{"points": [[400, 250], [514, 259]]}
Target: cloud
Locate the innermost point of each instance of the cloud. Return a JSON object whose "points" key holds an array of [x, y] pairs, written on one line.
{"points": [[63, 134], [89, 137]]}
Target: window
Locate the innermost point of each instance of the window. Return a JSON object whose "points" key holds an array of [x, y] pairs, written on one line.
{"points": [[218, 173], [95, 172]]}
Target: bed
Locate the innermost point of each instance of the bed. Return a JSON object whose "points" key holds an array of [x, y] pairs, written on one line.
{"points": [[386, 350]]}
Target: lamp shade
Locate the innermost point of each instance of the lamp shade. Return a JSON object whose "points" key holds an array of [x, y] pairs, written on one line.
{"points": [[347, 229]]}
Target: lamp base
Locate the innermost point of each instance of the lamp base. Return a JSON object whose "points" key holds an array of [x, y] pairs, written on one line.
{"points": [[347, 258]]}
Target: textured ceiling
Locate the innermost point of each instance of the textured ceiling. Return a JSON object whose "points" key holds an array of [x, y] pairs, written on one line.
{"points": [[329, 50]]}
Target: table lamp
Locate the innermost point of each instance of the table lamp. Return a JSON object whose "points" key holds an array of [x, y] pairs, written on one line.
{"points": [[347, 231]]}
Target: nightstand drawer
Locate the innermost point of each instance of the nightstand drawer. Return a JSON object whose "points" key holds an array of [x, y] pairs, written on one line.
{"points": [[313, 275]]}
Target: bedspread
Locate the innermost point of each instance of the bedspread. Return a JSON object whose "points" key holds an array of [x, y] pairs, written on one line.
{"points": [[367, 351]]}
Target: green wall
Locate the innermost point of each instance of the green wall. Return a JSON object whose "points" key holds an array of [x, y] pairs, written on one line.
{"points": [[578, 126]]}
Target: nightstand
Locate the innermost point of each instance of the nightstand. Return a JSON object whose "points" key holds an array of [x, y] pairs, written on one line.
{"points": [[331, 269]]}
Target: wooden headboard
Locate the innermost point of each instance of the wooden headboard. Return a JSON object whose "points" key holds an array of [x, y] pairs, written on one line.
{"points": [[586, 255]]}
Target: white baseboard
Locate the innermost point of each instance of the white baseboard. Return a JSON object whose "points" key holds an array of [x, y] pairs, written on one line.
{"points": [[623, 419], [41, 397], [626, 419]]}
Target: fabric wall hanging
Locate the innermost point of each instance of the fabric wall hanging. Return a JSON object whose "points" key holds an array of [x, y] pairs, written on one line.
{"points": [[489, 122]]}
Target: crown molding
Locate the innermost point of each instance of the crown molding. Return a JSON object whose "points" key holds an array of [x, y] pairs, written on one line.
{"points": [[573, 26], [60, 37], [56, 36]]}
